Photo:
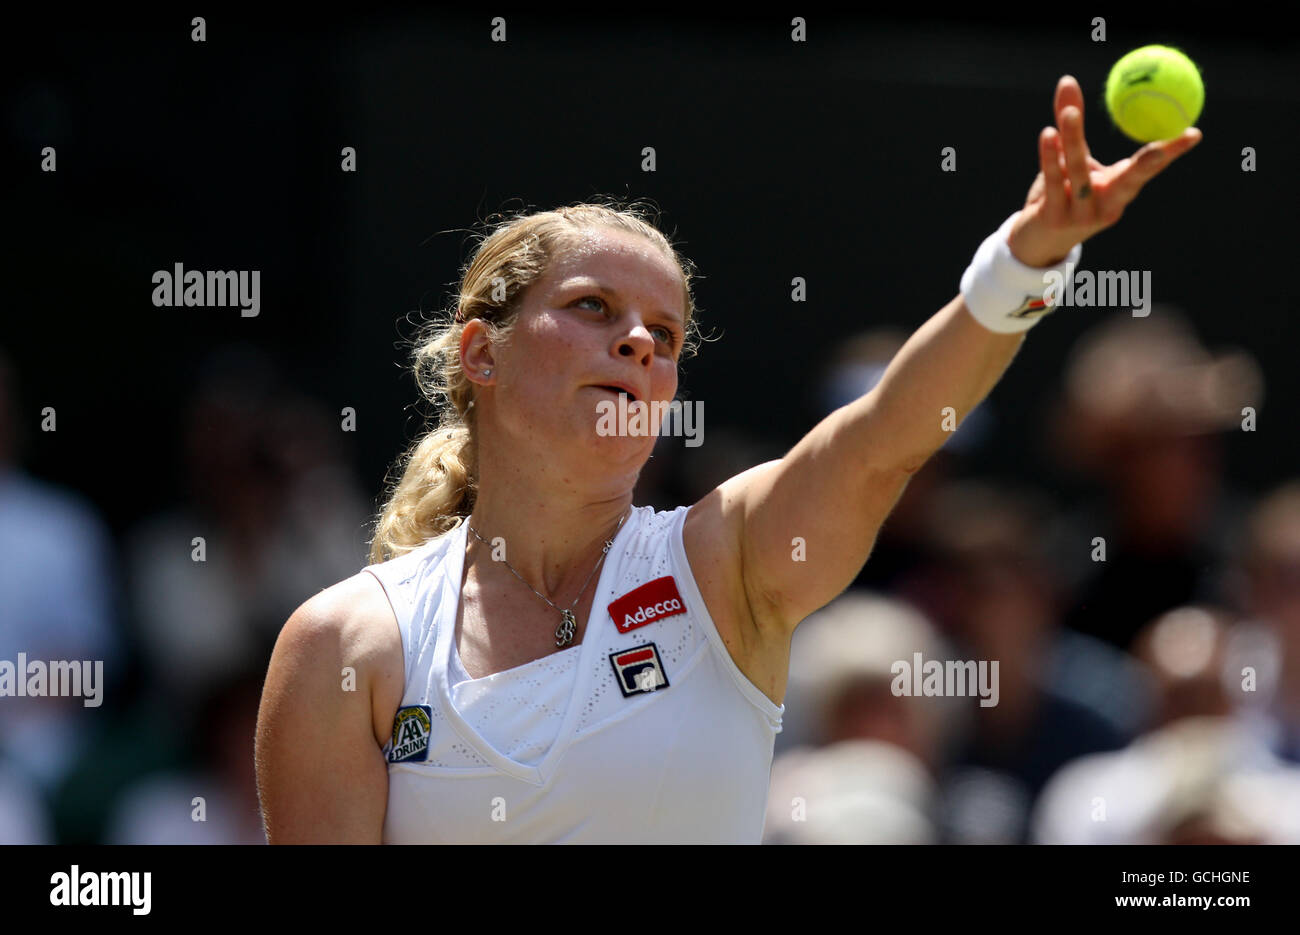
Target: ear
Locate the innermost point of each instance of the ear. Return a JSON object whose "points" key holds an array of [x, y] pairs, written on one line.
{"points": [[476, 352]]}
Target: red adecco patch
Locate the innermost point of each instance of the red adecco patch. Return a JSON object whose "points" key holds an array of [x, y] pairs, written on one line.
{"points": [[654, 600]]}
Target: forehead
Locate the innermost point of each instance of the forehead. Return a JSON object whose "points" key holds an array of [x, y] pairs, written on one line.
{"points": [[625, 262]]}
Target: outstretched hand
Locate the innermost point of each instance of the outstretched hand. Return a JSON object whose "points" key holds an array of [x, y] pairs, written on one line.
{"points": [[1074, 195]]}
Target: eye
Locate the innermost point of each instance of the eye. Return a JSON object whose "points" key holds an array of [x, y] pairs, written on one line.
{"points": [[669, 336], [592, 298]]}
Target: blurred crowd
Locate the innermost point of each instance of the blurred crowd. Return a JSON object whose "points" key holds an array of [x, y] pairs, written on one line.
{"points": [[184, 609], [1146, 634]]}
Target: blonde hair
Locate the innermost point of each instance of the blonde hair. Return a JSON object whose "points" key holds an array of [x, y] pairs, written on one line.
{"points": [[437, 482]]}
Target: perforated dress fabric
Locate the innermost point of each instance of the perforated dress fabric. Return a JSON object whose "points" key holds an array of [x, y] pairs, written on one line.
{"points": [[518, 711], [564, 749]]}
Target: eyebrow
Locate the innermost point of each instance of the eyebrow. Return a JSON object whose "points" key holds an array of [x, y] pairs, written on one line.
{"points": [[589, 283]]}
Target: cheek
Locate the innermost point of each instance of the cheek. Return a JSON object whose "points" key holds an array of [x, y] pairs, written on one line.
{"points": [[527, 403], [664, 384], [537, 370]]}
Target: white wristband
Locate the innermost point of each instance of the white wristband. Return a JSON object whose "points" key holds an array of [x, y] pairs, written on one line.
{"points": [[1005, 295]]}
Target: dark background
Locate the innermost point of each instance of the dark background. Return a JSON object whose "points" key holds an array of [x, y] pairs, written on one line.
{"points": [[775, 159]]}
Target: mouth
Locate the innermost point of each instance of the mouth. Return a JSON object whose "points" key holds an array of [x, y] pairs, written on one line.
{"points": [[618, 391]]}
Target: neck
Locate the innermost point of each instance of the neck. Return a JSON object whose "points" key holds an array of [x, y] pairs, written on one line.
{"points": [[553, 510], [553, 541]]}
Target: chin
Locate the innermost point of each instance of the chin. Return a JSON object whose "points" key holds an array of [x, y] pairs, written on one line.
{"points": [[620, 450]]}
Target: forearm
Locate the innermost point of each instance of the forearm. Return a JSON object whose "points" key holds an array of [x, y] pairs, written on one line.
{"points": [[839, 483], [842, 478], [934, 381]]}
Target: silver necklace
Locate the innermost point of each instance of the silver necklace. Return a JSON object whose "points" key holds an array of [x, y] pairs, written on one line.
{"points": [[568, 627]]}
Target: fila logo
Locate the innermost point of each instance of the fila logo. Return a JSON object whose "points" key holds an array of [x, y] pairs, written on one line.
{"points": [[639, 670], [654, 600]]}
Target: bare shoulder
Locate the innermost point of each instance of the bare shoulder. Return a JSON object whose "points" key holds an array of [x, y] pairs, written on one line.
{"points": [[322, 721], [352, 621], [713, 537]]}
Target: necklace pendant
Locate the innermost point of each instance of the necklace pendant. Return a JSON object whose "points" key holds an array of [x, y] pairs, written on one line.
{"points": [[565, 632]]}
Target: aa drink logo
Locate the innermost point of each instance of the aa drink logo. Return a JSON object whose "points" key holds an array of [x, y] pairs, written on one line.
{"points": [[654, 600], [411, 728]]}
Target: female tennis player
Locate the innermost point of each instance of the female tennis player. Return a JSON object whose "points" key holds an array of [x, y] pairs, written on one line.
{"points": [[532, 658]]}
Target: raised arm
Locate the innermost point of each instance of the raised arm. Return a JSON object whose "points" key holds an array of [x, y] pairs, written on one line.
{"points": [[836, 486]]}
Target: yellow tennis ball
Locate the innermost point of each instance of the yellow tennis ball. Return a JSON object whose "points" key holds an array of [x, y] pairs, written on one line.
{"points": [[1154, 93]]}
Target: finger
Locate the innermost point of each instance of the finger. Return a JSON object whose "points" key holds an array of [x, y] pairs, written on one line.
{"points": [[1179, 144], [1049, 155], [1169, 150], [1094, 165], [1076, 155], [1035, 190], [1150, 161], [1069, 94]]}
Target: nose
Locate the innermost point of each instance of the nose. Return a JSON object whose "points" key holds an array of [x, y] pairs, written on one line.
{"points": [[638, 343]]}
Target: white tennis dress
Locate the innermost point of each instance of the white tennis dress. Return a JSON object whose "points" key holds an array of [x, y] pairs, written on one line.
{"points": [[645, 732]]}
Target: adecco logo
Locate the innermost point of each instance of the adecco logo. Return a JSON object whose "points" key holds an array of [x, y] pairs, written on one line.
{"points": [[654, 600]]}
